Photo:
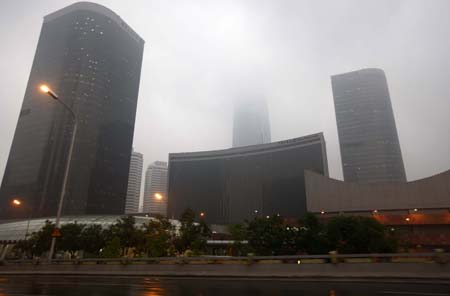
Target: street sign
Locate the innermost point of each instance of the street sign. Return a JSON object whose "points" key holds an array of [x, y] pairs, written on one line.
{"points": [[56, 232]]}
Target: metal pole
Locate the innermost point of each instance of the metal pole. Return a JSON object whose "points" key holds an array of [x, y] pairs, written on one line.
{"points": [[28, 222], [66, 174]]}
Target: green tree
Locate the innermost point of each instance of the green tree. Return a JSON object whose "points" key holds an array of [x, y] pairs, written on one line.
{"points": [[71, 238], [127, 233], [238, 233], [158, 237], [41, 240], [93, 239], [270, 236], [113, 249], [351, 234], [192, 235], [311, 236]]}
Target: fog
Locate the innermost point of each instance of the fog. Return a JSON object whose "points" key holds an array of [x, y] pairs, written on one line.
{"points": [[200, 54]]}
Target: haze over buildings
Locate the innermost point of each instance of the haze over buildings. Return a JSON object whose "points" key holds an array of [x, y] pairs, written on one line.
{"points": [[370, 149], [286, 50], [155, 192], [134, 183], [251, 123], [92, 59]]}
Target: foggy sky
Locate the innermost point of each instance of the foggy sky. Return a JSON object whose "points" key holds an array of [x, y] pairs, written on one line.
{"points": [[200, 53]]}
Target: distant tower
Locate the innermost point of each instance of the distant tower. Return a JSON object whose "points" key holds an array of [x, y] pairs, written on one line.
{"points": [[155, 191], [251, 124], [134, 183], [370, 149], [92, 59]]}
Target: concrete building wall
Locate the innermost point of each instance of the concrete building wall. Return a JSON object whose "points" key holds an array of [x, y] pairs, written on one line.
{"points": [[329, 195]]}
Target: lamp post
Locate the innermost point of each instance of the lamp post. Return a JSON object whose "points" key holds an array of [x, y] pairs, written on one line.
{"points": [[18, 203], [44, 88]]}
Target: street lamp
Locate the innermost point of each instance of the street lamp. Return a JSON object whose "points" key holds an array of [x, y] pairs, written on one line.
{"points": [[158, 196], [202, 214], [44, 88], [18, 203]]}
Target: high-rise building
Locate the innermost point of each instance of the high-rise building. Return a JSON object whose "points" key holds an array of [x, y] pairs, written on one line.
{"points": [[232, 185], [134, 183], [370, 149], [251, 124], [155, 190], [92, 59]]}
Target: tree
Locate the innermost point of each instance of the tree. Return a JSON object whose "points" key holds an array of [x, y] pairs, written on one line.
{"points": [[351, 235], [192, 236], [269, 236], [158, 237], [238, 233], [311, 237], [71, 238], [93, 239], [127, 233], [112, 249], [41, 240]]}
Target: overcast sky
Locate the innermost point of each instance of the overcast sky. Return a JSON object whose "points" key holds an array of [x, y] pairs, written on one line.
{"points": [[199, 53]]}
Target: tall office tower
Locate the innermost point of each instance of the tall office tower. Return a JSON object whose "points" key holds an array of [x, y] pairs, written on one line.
{"points": [[92, 60], [370, 149], [155, 190], [251, 124], [134, 183]]}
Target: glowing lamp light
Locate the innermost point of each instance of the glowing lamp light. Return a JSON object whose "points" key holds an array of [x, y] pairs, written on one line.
{"points": [[407, 219], [202, 214], [16, 202], [322, 212], [158, 196], [44, 88]]}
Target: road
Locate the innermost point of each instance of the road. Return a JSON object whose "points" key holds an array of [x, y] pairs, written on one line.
{"points": [[151, 286]]}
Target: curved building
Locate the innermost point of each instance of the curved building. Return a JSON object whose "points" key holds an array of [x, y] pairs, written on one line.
{"points": [[235, 184], [92, 59], [370, 149]]}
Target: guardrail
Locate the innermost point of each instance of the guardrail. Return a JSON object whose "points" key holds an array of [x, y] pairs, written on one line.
{"points": [[436, 257]]}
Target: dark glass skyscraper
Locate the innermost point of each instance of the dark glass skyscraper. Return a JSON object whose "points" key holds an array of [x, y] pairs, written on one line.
{"points": [[251, 123], [92, 59], [370, 149]]}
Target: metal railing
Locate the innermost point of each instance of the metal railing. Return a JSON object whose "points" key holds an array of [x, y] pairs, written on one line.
{"points": [[435, 257]]}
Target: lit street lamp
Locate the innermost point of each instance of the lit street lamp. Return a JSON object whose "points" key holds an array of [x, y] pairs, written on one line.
{"points": [[18, 203], [44, 88], [158, 196]]}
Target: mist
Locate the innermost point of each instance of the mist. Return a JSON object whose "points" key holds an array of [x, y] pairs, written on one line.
{"points": [[200, 55]]}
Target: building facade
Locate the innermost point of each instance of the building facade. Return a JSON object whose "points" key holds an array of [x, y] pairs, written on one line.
{"points": [[92, 59], [134, 183], [417, 212], [235, 184], [155, 192], [370, 148], [251, 124]]}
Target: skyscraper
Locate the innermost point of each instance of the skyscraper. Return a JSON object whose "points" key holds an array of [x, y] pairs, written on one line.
{"points": [[134, 183], [370, 149], [92, 59], [155, 191], [251, 124]]}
